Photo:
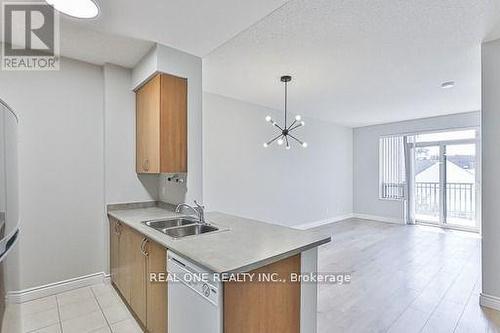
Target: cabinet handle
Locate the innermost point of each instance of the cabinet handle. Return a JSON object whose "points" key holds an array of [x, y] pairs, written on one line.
{"points": [[145, 165], [143, 247], [117, 228], [146, 253]]}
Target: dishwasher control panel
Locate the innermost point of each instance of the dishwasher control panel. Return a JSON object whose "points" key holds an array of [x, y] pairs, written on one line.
{"points": [[193, 277]]}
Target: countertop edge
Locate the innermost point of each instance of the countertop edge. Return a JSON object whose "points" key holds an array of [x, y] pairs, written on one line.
{"points": [[241, 269], [276, 258]]}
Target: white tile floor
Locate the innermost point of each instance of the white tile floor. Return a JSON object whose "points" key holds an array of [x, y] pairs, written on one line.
{"points": [[96, 309]]}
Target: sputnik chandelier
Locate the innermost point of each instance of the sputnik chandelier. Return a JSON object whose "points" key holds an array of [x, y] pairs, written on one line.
{"points": [[284, 136]]}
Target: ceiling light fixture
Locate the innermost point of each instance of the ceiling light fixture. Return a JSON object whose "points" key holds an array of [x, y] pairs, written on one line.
{"points": [[284, 136], [448, 84], [84, 9]]}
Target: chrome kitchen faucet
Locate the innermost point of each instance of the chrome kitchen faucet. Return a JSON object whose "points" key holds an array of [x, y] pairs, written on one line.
{"points": [[199, 210]]}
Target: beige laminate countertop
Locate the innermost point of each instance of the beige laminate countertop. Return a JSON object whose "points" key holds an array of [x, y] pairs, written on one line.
{"points": [[245, 245]]}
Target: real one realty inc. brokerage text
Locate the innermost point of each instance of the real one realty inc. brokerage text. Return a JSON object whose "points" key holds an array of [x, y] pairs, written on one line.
{"points": [[259, 277]]}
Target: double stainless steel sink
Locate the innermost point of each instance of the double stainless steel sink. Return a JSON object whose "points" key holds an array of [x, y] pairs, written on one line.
{"points": [[180, 227]]}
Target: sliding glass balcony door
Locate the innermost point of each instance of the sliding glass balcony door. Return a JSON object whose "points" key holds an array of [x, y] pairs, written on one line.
{"points": [[445, 179], [428, 184], [461, 185]]}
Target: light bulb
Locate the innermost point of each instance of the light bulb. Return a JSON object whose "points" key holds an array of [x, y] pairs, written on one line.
{"points": [[287, 147], [304, 144], [280, 141], [268, 118], [265, 145], [302, 123], [298, 117], [274, 123], [84, 9], [448, 84]]}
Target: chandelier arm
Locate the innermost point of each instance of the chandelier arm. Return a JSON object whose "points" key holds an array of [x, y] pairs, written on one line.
{"points": [[299, 141], [276, 125], [276, 138], [286, 139], [296, 126], [294, 122]]}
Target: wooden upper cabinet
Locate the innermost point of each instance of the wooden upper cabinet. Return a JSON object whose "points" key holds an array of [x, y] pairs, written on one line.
{"points": [[161, 120], [148, 127]]}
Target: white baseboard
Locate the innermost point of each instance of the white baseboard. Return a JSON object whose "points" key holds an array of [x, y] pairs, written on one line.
{"points": [[319, 223], [379, 218], [489, 301], [21, 296]]}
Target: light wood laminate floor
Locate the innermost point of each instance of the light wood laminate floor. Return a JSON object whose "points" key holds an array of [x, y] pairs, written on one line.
{"points": [[404, 279]]}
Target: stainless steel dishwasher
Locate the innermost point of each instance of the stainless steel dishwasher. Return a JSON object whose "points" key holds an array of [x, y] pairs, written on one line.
{"points": [[194, 299]]}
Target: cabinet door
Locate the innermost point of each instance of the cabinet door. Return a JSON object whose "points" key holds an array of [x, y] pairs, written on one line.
{"points": [[255, 307], [148, 127], [123, 260], [137, 273], [156, 291], [173, 117], [114, 250]]}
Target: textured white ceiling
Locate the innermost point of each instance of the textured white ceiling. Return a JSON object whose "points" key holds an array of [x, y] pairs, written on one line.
{"points": [[100, 48], [81, 41], [354, 62], [126, 29], [359, 62], [193, 26]]}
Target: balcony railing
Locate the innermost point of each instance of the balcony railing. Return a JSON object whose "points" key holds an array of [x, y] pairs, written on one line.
{"points": [[460, 199]]}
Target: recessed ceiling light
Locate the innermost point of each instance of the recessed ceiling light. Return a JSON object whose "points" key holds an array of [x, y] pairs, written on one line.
{"points": [[448, 84], [85, 9]]}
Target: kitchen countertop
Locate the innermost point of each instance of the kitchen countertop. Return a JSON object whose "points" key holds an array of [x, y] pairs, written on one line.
{"points": [[245, 246]]}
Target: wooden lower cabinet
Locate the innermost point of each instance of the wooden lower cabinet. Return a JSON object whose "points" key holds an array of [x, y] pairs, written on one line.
{"points": [[114, 244], [156, 292], [254, 307], [137, 274], [118, 240], [250, 307], [132, 258], [123, 276]]}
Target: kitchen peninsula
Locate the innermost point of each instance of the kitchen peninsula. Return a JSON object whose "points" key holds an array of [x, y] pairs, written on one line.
{"points": [[239, 246]]}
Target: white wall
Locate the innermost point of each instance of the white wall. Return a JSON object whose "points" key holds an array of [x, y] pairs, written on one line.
{"points": [[61, 169], [291, 187], [167, 60], [3, 111], [366, 160], [145, 68], [122, 182], [491, 172], [77, 154]]}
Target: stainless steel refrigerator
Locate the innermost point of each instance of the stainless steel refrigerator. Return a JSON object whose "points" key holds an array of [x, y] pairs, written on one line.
{"points": [[9, 210]]}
